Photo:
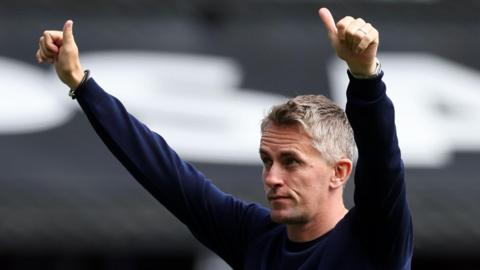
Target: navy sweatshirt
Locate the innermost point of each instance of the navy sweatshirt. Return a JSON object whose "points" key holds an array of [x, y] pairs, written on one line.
{"points": [[375, 234]]}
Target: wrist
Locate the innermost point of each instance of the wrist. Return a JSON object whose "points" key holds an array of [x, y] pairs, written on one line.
{"points": [[73, 91], [371, 72], [364, 70], [75, 79]]}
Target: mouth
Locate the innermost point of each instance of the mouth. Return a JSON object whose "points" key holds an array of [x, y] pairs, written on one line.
{"points": [[276, 198]]}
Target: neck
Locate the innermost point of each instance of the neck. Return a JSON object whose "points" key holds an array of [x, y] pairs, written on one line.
{"points": [[319, 225]]}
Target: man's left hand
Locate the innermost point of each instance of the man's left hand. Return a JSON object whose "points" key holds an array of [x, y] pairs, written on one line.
{"points": [[354, 40]]}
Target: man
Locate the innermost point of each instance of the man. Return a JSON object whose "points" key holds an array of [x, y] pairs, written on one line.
{"points": [[307, 149]]}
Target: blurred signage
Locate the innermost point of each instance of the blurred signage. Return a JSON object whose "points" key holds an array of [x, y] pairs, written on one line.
{"points": [[195, 102], [437, 105]]}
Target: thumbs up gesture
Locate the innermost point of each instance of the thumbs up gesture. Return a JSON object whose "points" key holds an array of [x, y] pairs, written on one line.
{"points": [[354, 40], [59, 48]]}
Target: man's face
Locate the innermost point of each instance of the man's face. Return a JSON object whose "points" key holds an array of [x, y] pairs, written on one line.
{"points": [[295, 175]]}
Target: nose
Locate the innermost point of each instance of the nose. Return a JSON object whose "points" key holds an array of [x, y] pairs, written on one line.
{"points": [[272, 177]]}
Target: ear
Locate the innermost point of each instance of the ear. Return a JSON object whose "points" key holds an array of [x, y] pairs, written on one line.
{"points": [[343, 169]]}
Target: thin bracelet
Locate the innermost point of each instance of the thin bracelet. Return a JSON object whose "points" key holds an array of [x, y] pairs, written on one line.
{"points": [[86, 76]]}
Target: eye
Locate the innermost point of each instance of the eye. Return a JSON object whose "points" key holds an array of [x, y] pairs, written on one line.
{"points": [[267, 162], [291, 161]]}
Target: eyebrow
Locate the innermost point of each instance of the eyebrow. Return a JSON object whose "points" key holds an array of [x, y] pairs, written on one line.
{"points": [[262, 152]]}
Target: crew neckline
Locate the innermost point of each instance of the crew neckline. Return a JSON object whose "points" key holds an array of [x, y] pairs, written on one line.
{"points": [[292, 246]]}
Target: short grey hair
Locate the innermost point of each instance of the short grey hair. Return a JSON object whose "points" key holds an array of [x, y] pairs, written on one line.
{"points": [[323, 120]]}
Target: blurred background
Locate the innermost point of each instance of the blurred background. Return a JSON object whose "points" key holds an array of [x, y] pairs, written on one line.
{"points": [[203, 72]]}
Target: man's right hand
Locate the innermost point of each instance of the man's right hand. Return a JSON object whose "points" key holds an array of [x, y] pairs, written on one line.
{"points": [[59, 48]]}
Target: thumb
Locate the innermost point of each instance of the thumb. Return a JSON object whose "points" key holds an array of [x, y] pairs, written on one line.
{"points": [[329, 23], [68, 32]]}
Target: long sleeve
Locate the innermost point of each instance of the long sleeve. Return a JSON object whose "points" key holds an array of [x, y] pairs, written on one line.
{"points": [[380, 192], [217, 219]]}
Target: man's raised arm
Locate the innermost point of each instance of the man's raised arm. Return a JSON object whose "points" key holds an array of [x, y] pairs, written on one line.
{"points": [[381, 207], [215, 218]]}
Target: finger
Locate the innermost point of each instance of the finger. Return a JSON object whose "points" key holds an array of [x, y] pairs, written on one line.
{"points": [[366, 28], [368, 40], [41, 42], [47, 53], [68, 32], [50, 40], [38, 57], [47, 48], [353, 33], [329, 23], [342, 27], [43, 58], [363, 38]]}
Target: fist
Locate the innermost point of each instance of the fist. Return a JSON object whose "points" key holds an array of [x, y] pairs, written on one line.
{"points": [[59, 48], [354, 40]]}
